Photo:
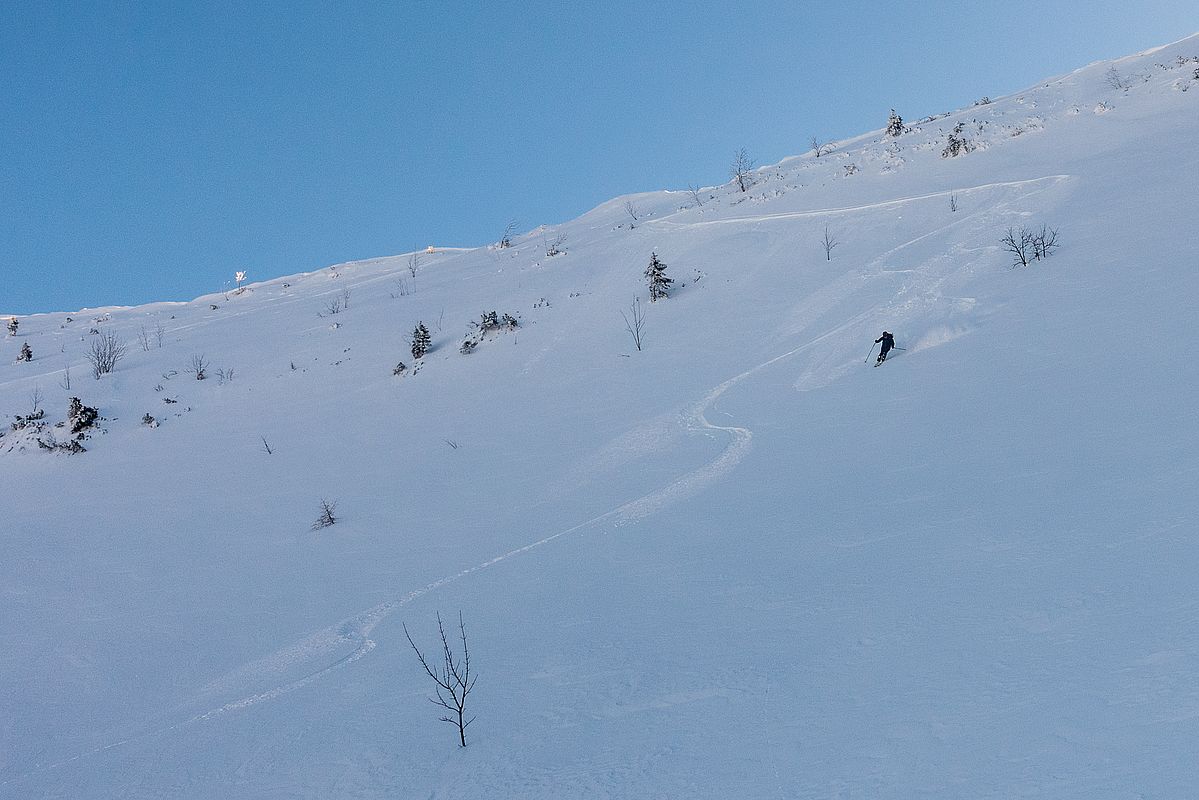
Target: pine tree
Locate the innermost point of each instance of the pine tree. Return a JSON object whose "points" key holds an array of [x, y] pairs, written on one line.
{"points": [[420, 340], [12, 326], [894, 124], [26, 354], [659, 284]]}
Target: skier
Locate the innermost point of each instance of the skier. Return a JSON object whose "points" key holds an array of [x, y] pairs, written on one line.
{"points": [[888, 342]]}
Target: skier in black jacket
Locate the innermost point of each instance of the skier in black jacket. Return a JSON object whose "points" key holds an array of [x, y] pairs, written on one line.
{"points": [[888, 342]]}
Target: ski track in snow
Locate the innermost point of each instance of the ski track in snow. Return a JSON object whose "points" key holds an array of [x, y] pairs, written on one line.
{"points": [[821, 212], [356, 631]]}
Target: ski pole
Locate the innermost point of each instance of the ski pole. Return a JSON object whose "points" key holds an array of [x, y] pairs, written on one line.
{"points": [[899, 348], [868, 355]]}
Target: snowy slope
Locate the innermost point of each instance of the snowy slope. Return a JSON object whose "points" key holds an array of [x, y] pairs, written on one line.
{"points": [[737, 563]]}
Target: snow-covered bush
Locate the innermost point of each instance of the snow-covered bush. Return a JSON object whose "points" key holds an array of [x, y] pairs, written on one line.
{"points": [[958, 144], [50, 444], [26, 354], [33, 419], [489, 323], [80, 417]]}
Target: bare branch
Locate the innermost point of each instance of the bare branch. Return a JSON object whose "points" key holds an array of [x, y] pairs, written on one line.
{"points": [[828, 242], [636, 325]]}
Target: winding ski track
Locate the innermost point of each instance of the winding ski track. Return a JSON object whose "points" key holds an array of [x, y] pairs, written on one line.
{"points": [[356, 631]]}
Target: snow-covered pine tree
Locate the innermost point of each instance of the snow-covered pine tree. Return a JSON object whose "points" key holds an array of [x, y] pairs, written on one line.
{"points": [[12, 326], [894, 124], [26, 354], [420, 340], [958, 143], [659, 283]]}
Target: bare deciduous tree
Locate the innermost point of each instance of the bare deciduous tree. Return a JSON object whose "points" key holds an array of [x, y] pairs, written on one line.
{"points": [[741, 168], [506, 239], [694, 190], [556, 246], [35, 399], [1044, 242], [414, 265], [828, 241], [632, 211], [953, 202], [104, 353], [326, 518], [634, 322], [1020, 245], [143, 338], [1116, 80], [454, 679], [819, 149], [199, 367]]}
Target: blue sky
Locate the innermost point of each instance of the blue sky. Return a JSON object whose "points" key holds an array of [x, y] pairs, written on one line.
{"points": [[152, 149]]}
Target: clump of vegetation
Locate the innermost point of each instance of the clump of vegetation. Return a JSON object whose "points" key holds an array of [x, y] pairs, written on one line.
{"points": [[958, 144], [489, 323], [81, 417]]}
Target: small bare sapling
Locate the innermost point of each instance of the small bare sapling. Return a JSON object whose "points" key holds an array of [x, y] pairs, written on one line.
{"points": [[634, 322], [828, 242], [199, 367], [453, 678], [326, 517]]}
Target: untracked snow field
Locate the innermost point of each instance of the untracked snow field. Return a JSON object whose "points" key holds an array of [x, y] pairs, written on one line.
{"points": [[739, 562]]}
